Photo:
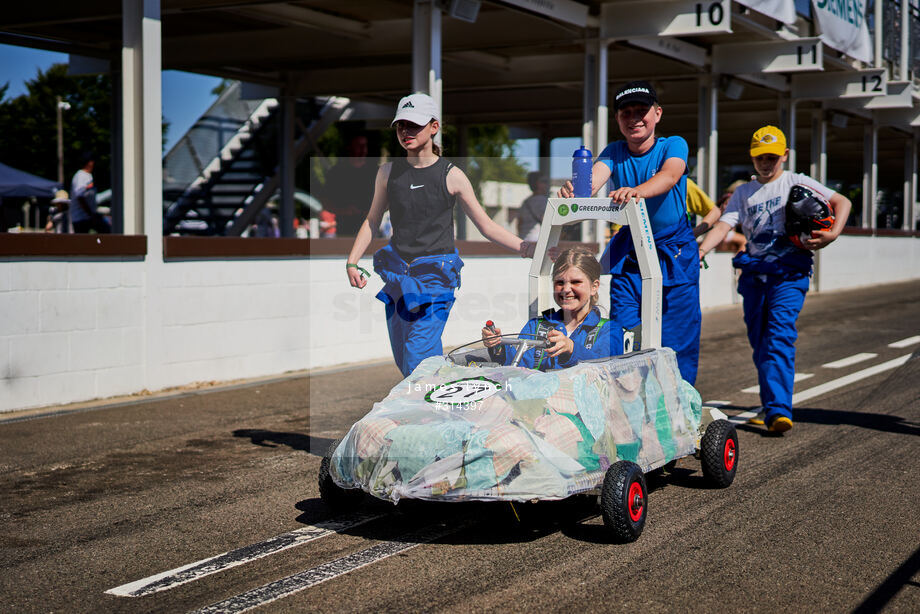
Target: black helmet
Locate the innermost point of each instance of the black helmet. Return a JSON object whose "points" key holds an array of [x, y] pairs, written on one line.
{"points": [[806, 211]]}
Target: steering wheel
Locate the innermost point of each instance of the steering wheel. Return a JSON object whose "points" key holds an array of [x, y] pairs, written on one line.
{"points": [[521, 343]]}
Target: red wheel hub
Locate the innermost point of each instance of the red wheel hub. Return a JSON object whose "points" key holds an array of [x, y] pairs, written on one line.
{"points": [[635, 501], [730, 454]]}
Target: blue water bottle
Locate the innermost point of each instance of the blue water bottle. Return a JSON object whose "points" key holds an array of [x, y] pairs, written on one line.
{"points": [[581, 172]]}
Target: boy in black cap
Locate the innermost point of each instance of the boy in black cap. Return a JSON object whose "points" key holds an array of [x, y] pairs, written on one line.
{"points": [[654, 168]]}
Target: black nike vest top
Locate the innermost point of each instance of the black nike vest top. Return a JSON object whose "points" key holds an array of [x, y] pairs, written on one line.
{"points": [[421, 209]]}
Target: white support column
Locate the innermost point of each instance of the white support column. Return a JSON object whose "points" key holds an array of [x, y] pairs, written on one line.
{"points": [[878, 33], [870, 175], [286, 164], [426, 53], [907, 190], [712, 163], [131, 113], [790, 135], [702, 133], [142, 134], [602, 136], [152, 130], [911, 214], [589, 98], [818, 163], [904, 72]]}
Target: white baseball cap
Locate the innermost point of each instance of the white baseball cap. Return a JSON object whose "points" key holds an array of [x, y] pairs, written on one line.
{"points": [[418, 109]]}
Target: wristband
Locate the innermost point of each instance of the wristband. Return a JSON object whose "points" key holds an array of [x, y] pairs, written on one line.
{"points": [[364, 272]]}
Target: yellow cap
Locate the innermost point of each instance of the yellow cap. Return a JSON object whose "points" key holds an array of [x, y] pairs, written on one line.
{"points": [[768, 140]]}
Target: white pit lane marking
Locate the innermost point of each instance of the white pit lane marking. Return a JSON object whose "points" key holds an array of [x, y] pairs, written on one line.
{"points": [[840, 382], [194, 571], [798, 377], [849, 360], [327, 571], [743, 416], [903, 343]]}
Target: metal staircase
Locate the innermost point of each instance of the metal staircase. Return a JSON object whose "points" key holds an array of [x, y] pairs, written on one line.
{"points": [[225, 169]]}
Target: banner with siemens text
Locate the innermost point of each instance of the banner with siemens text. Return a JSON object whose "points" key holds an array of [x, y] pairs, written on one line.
{"points": [[843, 27], [781, 10]]}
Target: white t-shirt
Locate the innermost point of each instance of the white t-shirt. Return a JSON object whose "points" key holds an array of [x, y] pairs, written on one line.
{"points": [[82, 185], [761, 209]]}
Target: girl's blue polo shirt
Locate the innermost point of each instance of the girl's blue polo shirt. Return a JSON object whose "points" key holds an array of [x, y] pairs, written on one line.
{"points": [[629, 170]]}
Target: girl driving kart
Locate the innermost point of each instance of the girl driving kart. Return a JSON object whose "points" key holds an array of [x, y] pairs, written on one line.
{"points": [[576, 331]]}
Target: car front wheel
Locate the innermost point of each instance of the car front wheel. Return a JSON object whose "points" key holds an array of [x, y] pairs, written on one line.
{"points": [[624, 501]]}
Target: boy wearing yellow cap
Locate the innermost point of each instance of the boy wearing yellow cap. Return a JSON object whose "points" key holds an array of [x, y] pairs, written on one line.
{"points": [[774, 271]]}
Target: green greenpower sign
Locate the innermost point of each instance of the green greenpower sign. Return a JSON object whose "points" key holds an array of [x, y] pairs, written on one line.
{"points": [[563, 210]]}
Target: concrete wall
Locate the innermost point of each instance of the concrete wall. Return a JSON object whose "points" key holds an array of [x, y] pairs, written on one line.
{"points": [[79, 330], [853, 261], [82, 329]]}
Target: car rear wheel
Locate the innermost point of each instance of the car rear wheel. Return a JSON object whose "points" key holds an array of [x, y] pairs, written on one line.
{"points": [[624, 501], [334, 496], [719, 453]]}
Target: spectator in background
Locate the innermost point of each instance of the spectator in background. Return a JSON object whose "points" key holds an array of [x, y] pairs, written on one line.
{"points": [[699, 204], [349, 187], [530, 215], [57, 214], [83, 214], [734, 241]]}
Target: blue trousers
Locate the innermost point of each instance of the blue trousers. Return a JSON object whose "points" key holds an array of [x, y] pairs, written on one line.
{"points": [[415, 335], [771, 307], [681, 318]]}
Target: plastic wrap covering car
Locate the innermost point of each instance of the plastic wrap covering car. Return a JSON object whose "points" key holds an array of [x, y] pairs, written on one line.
{"points": [[451, 432]]}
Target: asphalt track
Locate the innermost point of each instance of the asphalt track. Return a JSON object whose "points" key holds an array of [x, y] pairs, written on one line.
{"points": [[207, 500]]}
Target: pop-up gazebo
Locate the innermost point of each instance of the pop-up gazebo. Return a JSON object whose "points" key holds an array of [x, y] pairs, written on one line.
{"points": [[14, 182]]}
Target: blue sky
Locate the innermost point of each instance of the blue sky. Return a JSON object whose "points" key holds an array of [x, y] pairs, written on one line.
{"points": [[185, 95]]}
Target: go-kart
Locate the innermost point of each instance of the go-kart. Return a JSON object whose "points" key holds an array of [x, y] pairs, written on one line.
{"points": [[464, 427]]}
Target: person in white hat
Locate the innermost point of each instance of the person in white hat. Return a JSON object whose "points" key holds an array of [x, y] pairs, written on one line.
{"points": [[420, 265], [58, 220]]}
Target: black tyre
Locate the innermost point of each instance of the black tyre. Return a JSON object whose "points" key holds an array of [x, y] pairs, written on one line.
{"points": [[624, 501], [719, 453], [334, 496]]}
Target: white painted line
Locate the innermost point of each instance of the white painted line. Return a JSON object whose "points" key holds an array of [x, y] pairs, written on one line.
{"points": [[194, 571], [327, 571], [717, 403], [798, 377], [850, 360], [840, 382], [903, 343], [743, 416]]}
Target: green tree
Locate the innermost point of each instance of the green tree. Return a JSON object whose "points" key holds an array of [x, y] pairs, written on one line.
{"points": [[490, 155], [28, 124]]}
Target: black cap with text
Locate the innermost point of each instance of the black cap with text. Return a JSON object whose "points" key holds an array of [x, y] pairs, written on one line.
{"points": [[635, 92]]}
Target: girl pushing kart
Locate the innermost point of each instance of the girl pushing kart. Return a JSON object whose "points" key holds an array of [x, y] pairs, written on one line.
{"points": [[420, 266]]}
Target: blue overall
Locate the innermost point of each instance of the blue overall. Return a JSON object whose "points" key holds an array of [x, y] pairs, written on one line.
{"points": [[773, 292], [677, 252], [681, 318], [417, 298], [592, 339]]}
